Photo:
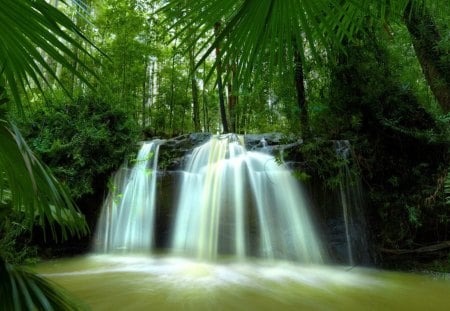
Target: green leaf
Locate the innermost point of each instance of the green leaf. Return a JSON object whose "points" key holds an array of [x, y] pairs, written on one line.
{"points": [[33, 30], [34, 191], [23, 290], [262, 36]]}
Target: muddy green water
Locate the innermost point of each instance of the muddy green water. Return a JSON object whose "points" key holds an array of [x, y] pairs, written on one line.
{"points": [[108, 282]]}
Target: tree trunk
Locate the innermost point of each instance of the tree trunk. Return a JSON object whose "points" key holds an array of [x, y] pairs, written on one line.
{"points": [[301, 96], [223, 113], [432, 58], [144, 93], [161, 100], [232, 99], [205, 101], [194, 87], [151, 90], [172, 93]]}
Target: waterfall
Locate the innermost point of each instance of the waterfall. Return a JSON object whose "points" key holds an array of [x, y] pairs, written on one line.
{"points": [[127, 218], [351, 199], [242, 203], [232, 202]]}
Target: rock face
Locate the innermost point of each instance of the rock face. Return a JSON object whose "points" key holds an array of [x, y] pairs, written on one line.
{"points": [[326, 203], [173, 151], [269, 140]]}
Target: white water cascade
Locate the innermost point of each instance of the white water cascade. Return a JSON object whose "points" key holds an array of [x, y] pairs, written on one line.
{"points": [[126, 222], [352, 203], [232, 202], [240, 203]]}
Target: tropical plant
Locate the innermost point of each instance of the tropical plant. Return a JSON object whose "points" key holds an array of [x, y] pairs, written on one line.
{"points": [[81, 140], [34, 32], [271, 37], [24, 290], [37, 32], [33, 190], [270, 32]]}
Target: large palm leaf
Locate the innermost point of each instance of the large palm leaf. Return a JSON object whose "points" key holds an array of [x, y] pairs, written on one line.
{"points": [[34, 191], [22, 290], [263, 35], [33, 30], [253, 34]]}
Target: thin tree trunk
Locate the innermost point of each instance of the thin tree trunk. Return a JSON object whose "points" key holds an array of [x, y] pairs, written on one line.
{"points": [[232, 100], [301, 95], [432, 58], [223, 113], [183, 119], [205, 101], [161, 98], [151, 90], [144, 93], [172, 92], [194, 87], [245, 117]]}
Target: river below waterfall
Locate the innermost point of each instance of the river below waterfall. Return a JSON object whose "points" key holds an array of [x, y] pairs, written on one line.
{"points": [[248, 223], [111, 282]]}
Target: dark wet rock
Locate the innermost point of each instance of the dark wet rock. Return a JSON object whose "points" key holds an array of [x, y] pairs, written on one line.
{"points": [[268, 140], [172, 151], [168, 187]]}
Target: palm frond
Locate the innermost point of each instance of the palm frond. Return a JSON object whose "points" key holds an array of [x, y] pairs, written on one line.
{"points": [[30, 28], [34, 191], [262, 36], [256, 35], [23, 290]]}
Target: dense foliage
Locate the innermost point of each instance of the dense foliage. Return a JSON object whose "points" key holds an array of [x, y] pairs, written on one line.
{"points": [[401, 149], [82, 140], [375, 73], [29, 193]]}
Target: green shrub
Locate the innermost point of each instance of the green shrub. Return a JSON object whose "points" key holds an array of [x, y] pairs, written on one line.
{"points": [[14, 239], [81, 140]]}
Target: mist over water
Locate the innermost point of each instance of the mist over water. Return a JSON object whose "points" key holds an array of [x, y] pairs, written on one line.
{"points": [[242, 239], [137, 283]]}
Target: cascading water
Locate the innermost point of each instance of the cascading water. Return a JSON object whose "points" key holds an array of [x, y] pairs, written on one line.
{"points": [[242, 203], [127, 219], [232, 202], [351, 197]]}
